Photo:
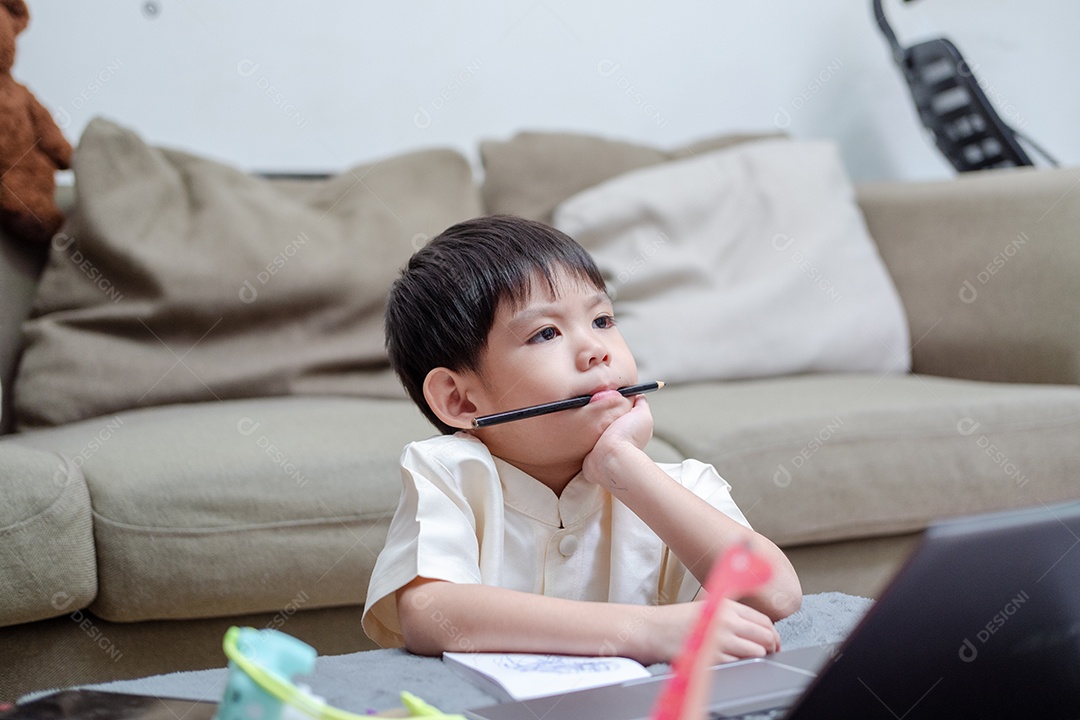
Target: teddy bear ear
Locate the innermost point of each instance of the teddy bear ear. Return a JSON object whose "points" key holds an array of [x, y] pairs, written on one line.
{"points": [[18, 12]]}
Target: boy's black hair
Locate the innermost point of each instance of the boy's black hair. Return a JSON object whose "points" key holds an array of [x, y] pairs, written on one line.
{"points": [[441, 308]]}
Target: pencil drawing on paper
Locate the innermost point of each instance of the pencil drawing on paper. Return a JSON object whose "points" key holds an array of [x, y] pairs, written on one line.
{"points": [[556, 664]]}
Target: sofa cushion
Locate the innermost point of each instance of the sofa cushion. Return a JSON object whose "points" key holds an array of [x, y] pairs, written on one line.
{"points": [[984, 263], [47, 565], [830, 457], [179, 279], [241, 506], [755, 257], [532, 172]]}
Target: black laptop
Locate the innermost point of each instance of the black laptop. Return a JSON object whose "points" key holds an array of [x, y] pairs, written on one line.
{"points": [[982, 621]]}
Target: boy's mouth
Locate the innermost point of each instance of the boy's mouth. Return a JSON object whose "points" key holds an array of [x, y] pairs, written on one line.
{"points": [[601, 395]]}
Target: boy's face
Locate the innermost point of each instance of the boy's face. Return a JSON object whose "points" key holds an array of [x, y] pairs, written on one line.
{"points": [[552, 348]]}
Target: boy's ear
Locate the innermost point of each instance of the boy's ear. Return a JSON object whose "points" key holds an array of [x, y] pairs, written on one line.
{"points": [[446, 392]]}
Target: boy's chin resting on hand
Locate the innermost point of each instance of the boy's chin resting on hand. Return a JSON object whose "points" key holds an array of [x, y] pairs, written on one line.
{"points": [[623, 441]]}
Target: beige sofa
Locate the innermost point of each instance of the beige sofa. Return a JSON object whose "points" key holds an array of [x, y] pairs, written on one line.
{"points": [[132, 539]]}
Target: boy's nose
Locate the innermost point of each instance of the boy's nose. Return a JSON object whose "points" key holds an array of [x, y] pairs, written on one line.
{"points": [[594, 352]]}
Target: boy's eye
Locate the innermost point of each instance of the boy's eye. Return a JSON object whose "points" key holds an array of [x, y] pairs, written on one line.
{"points": [[604, 321], [548, 333]]}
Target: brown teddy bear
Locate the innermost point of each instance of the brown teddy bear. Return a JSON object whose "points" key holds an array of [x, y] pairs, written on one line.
{"points": [[32, 147]]}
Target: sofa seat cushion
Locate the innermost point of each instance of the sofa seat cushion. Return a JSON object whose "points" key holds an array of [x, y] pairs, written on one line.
{"points": [[47, 563], [820, 458], [241, 506]]}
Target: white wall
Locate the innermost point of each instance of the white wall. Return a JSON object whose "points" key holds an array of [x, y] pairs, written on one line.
{"points": [[321, 85]]}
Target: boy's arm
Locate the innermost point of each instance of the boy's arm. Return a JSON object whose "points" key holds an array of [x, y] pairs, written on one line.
{"points": [[438, 616], [693, 529]]}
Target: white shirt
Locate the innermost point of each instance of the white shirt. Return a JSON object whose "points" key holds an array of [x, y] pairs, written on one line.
{"points": [[465, 516]]}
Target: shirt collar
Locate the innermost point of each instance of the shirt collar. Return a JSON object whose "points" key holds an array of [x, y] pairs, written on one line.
{"points": [[529, 496]]}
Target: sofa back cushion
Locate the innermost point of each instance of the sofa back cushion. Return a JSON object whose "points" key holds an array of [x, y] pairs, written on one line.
{"points": [[987, 264], [532, 172], [750, 261], [180, 279]]}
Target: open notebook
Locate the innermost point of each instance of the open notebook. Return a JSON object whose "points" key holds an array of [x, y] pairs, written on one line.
{"points": [[520, 676]]}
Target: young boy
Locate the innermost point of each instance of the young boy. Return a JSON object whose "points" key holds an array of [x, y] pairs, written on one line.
{"points": [[555, 533]]}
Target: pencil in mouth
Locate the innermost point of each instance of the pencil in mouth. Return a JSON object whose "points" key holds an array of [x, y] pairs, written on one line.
{"points": [[574, 402]]}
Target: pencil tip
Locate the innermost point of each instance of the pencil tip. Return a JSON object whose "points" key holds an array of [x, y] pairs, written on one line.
{"points": [[659, 384]]}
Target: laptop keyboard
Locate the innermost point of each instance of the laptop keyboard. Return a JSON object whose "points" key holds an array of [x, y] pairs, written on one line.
{"points": [[768, 714]]}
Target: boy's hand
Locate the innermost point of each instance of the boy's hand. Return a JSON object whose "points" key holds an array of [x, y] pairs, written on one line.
{"points": [[739, 632], [629, 432]]}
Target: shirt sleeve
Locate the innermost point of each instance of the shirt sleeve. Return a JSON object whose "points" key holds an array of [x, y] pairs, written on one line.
{"points": [[432, 535], [703, 480], [676, 581]]}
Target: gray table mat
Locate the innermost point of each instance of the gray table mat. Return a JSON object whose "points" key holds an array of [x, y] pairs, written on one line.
{"points": [[366, 681]]}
